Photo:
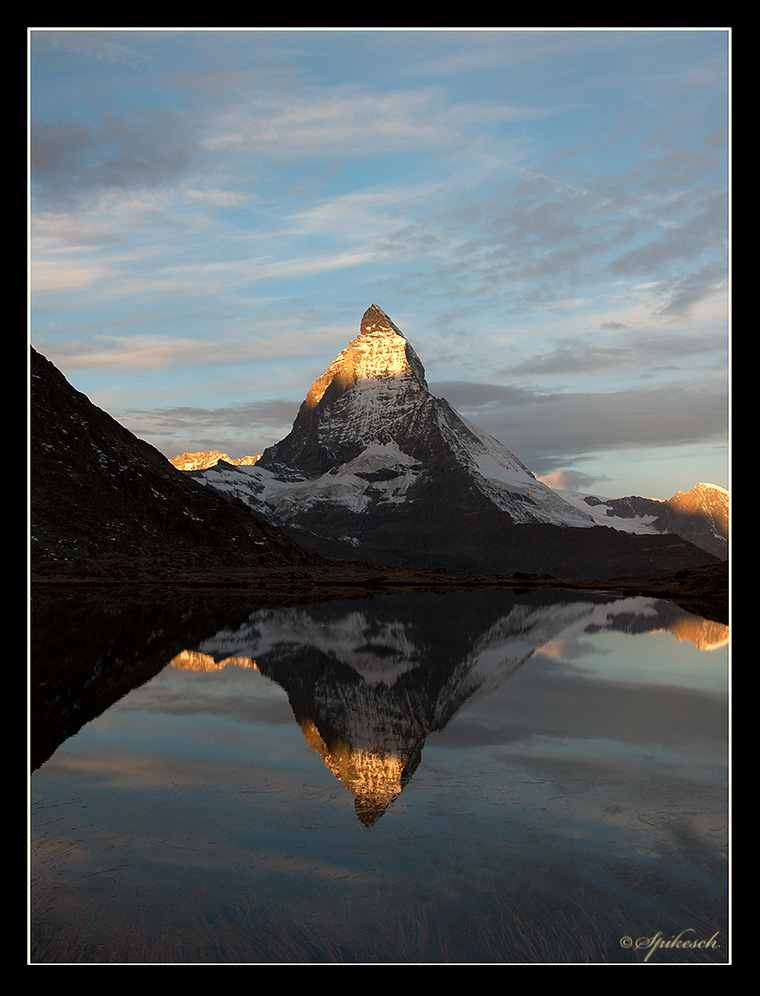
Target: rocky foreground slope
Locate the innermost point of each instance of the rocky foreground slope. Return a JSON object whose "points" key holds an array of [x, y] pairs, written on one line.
{"points": [[105, 504]]}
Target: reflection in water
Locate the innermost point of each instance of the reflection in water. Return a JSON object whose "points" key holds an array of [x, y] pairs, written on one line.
{"points": [[705, 634], [368, 683], [564, 764]]}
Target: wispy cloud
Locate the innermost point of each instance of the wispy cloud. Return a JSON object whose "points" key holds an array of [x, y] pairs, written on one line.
{"points": [[548, 428], [349, 121], [540, 209], [631, 350], [72, 162]]}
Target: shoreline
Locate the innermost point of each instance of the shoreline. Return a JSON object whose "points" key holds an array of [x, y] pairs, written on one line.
{"points": [[705, 589]]}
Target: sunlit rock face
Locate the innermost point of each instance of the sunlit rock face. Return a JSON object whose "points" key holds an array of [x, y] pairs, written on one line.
{"points": [[209, 458], [193, 660], [702, 515], [377, 468], [379, 353]]}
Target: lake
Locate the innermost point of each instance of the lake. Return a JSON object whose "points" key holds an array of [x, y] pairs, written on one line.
{"points": [[471, 777]]}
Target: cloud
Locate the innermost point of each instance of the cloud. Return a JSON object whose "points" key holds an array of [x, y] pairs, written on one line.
{"points": [[531, 243], [570, 480], [305, 266], [251, 417], [94, 45], [283, 339], [72, 162], [61, 275], [349, 121], [547, 430], [701, 228], [136, 353], [684, 294], [219, 198], [239, 430], [642, 351]]}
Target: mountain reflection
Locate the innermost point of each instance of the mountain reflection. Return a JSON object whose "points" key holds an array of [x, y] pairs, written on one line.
{"points": [[369, 681]]}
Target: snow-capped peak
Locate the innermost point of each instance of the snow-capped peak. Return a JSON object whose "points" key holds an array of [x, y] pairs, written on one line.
{"points": [[376, 464], [370, 434], [379, 353]]}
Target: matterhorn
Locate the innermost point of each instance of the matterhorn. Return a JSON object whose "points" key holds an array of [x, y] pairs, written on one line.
{"points": [[377, 469]]}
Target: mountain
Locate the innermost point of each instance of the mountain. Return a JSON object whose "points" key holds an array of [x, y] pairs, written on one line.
{"points": [[207, 458], [107, 504], [376, 468], [700, 516]]}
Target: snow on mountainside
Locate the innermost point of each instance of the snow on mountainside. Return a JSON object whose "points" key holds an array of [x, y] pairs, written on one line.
{"points": [[377, 468], [700, 515], [370, 434], [500, 476]]}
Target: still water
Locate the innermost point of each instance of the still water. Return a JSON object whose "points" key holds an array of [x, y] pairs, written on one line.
{"points": [[475, 777]]}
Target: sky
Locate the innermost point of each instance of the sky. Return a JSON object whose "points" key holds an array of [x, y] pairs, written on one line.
{"points": [[545, 214]]}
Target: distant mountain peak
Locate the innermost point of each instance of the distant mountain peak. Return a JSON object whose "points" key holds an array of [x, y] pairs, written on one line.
{"points": [[700, 516], [703, 489], [209, 458]]}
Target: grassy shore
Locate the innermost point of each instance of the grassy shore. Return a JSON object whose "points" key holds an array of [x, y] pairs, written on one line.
{"points": [[509, 933]]}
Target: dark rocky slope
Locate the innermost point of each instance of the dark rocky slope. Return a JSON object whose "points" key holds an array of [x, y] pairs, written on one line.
{"points": [[105, 504]]}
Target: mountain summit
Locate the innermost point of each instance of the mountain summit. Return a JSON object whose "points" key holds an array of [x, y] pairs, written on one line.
{"points": [[371, 392], [380, 351], [377, 468]]}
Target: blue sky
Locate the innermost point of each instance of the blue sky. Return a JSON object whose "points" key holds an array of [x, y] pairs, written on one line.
{"points": [[543, 213]]}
